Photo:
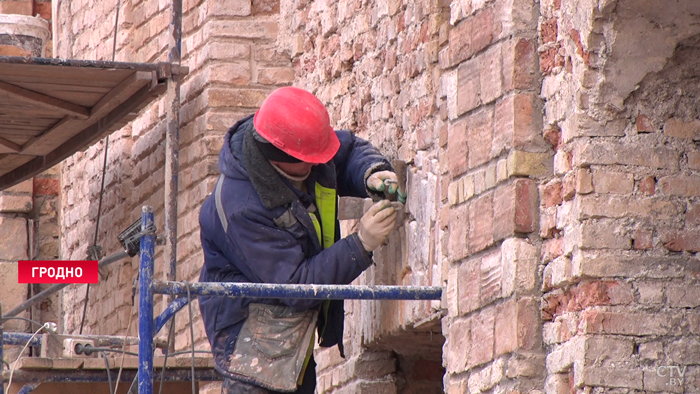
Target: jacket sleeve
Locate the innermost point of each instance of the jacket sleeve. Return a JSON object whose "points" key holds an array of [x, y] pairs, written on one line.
{"points": [[266, 253], [355, 161]]}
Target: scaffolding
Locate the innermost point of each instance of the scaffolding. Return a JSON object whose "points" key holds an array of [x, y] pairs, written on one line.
{"points": [[149, 326]]}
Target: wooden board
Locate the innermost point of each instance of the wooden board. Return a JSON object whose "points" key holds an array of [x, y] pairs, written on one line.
{"points": [[52, 108]]}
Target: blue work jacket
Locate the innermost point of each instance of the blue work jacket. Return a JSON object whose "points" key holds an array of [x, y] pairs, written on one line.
{"points": [[258, 248]]}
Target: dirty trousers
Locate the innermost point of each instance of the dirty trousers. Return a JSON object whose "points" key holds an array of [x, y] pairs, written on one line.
{"points": [[231, 386]]}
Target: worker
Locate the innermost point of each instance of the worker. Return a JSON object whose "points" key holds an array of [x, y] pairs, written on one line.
{"points": [[273, 219]]}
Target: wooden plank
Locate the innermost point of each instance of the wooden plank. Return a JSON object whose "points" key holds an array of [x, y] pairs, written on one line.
{"points": [[83, 138], [57, 81], [35, 363], [42, 86], [63, 132], [10, 162], [124, 89], [71, 73], [67, 363], [67, 123], [46, 101], [10, 145]]}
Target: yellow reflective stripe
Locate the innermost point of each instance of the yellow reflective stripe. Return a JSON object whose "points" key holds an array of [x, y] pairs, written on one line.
{"points": [[317, 226], [309, 353], [326, 201]]}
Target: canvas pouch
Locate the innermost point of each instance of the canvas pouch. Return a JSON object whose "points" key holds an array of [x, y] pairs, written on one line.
{"points": [[272, 346]]}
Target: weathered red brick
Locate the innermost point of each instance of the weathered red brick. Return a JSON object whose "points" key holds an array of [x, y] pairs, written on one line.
{"points": [[459, 345], [468, 87], [550, 58], [43, 9], [584, 295], [642, 239], [552, 194], [548, 222], [46, 186], [612, 182], [470, 36], [568, 191], [459, 231], [692, 215], [553, 136], [549, 30], [490, 74], [482, 336], [682, 129], [615, 153], [491, 277], [682, 240], [680, 185], [479, 137], [481, 221], [647, 185], [517, 123], [694, 160], [520, 69], [468, 288], [551, 249], [515, 208], [644, 124], [265, 7], [580, 50], [457, 149], [506, 327], [626, 323], [517, 326]]}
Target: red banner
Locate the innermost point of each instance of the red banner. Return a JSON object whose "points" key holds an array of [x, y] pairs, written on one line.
{"points": [[57, 271]]}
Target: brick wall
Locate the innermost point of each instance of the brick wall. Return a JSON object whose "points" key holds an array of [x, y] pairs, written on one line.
{"points": [[553, 178], [620, 275]]}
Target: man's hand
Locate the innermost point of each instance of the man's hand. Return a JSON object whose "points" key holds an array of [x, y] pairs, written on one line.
{"points": [[376, 224], [383, 180]]}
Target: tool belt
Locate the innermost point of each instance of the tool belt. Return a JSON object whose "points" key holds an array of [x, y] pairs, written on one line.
{"points": [[273, 346]]}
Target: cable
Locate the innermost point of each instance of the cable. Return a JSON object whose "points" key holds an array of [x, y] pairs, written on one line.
{"points": [[121, 365], [104, 170], [189, 351], [88, 350], [109, 374], [165, 361], [189, 306], [12, 368], [21, 318]]}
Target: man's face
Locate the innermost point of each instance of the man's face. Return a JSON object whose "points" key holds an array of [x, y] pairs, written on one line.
{"points": [[294, 169]]}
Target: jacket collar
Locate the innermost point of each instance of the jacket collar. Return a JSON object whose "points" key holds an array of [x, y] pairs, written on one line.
{"points": [[267, 182]]}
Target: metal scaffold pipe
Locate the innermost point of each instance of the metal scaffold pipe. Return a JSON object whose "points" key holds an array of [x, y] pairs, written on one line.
{"points": [[319, 292]]}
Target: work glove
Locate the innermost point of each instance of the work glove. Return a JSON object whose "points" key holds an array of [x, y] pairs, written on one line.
{"points": [[376, 224], [386, 181], [383, 180]]}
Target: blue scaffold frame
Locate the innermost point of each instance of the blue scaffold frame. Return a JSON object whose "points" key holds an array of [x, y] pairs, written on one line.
{"points": [[148, 287]]}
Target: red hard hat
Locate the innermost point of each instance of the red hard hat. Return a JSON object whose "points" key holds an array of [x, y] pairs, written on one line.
{"points": [[297, 123]]}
